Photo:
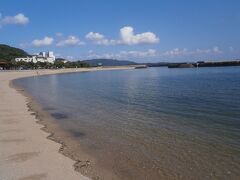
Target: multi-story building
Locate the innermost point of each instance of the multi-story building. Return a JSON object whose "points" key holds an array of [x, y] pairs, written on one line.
{"points": [[41, 57]]}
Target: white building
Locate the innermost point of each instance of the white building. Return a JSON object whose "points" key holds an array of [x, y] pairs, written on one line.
{"points": [[26, 59], [41, 57]]}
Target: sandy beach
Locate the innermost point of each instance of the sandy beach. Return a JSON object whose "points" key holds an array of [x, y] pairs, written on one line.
{"points": [[25, 151]]}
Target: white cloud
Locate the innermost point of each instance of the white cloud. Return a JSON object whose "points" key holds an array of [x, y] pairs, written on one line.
{"points": [[128, 37], [139, 54], [185, 52], [70, 41], [124, 54], [214, 50], [99, 39], [176, 52], [95, 36], [19, 19], [152, 53], [46, 41]]}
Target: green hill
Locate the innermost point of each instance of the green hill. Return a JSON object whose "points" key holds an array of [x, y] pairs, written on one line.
{"points": [[7, 53]]}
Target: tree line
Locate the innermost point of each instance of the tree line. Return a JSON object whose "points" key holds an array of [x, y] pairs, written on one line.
{"points": [[46, 65]]}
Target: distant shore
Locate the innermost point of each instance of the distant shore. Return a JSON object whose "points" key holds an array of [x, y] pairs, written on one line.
{"points": [[25, 151], [204, 64]]}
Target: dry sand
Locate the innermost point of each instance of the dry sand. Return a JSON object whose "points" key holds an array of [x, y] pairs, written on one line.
{"points": [[25, 151]]}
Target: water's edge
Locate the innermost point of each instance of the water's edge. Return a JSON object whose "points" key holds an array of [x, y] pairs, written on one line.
{"points": [[86, 164]]}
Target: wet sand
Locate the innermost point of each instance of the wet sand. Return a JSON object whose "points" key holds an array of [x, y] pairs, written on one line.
{"points": [[26, 151]]}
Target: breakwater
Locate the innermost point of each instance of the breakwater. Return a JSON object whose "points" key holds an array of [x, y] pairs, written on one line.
{"points": [[204, 64]]}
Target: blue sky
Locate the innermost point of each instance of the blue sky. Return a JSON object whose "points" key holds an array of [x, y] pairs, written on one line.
{"points": [[139, 30]]}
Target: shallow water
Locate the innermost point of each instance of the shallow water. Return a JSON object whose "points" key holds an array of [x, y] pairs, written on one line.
{"points": [[154, 123]]}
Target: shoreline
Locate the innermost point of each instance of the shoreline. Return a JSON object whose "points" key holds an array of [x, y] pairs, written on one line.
{"points": [[68, 163], [84, 162]]}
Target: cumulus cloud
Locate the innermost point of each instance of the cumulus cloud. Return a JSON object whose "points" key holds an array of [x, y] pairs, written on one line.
{"points": [[127, 37], [46, 41], [60, 41], [19, 19], [99, 39], [95, 36], [70, 41]]}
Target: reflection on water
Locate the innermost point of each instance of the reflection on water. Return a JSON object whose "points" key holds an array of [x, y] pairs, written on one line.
{"points": [[150, 123]]}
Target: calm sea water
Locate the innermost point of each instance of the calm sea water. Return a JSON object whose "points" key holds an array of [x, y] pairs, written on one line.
{"points": [[154, 123]]}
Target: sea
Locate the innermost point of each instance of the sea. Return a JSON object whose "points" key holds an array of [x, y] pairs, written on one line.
{"points": [[153, 123]]}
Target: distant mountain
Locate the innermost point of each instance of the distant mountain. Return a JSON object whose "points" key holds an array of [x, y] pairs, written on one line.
{"points": [[109, 62], [7, 53]]}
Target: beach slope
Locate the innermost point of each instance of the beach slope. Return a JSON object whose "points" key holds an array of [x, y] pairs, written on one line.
{"points": [[25, 151]]}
